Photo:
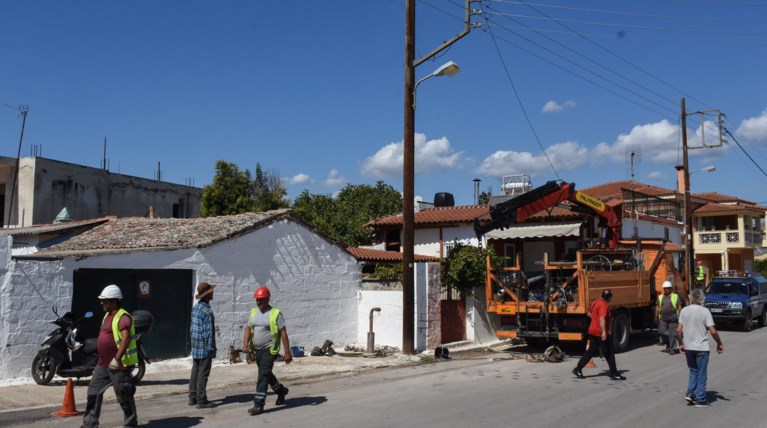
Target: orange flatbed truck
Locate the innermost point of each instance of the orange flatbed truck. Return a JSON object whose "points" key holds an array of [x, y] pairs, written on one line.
{"points": [[554, 306]]}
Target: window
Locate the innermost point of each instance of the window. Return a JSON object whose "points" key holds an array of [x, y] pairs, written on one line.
{"points": [[447, 248], [509, 254]]}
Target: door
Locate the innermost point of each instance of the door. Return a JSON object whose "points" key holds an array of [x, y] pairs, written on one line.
{"points": [[166, 293], [452, 320]]}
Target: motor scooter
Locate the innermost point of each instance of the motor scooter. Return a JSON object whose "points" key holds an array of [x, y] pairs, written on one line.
{"points": [[67, 354]]}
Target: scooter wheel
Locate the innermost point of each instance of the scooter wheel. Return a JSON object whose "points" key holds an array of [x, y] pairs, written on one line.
{"points": [[138, 372], [43, 368]]}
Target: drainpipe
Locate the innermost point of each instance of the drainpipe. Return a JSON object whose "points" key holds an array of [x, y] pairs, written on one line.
{"points": [[371, 335]]}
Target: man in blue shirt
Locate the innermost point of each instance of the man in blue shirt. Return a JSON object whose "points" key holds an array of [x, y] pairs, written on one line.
{"points": [[203, 346]]}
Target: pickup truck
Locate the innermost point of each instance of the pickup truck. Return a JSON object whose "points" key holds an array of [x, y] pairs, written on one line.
{"points": [[737, 297]]}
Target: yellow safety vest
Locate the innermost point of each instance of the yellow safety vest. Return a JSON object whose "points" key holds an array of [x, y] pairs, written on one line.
{"points": [[701, 274], [674, 302], [130, 358], [273, 314]]}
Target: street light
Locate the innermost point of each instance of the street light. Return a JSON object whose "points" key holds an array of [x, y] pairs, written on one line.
{"points": [[710, 168], [447, 69], [408, 192]]}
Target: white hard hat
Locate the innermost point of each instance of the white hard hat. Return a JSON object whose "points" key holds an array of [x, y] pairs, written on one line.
{"points": [[667, 284], [111, 292]]}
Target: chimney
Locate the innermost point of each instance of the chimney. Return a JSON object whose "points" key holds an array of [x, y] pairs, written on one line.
{"points": [[476, 191], [680, 176]]}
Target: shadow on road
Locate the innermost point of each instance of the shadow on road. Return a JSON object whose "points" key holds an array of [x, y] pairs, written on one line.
{"points": [[175, 422], [163, 382]]}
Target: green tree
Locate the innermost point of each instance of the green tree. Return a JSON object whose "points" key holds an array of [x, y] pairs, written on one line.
{"points": [[344, 216], [267, 192], [233, 191], [465, 268], [229, 192], [484, 197], [357, 204]]}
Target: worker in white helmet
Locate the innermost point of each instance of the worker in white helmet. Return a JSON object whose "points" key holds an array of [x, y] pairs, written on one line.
{"points": [[117, 357], [669, 305]]}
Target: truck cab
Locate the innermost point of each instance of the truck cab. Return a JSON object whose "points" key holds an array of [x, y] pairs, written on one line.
{"points": [[737, 297]]}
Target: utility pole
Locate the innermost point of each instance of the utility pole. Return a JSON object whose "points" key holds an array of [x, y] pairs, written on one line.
{"points": [[408, 170], [688, 246]]}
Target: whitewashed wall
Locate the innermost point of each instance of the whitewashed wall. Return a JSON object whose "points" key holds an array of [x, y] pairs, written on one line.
{"points": [[387, 324], [427, 240], [314, 283]]}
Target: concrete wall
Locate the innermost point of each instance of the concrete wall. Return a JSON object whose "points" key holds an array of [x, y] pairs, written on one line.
{"points": [[46, 186], [313, 282]]}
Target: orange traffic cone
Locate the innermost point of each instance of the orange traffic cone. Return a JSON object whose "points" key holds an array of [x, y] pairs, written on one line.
{"points": [[69, 408], [591, 363]]}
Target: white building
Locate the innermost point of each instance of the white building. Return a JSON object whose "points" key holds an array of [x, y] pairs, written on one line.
{"points": [[157, 264]]}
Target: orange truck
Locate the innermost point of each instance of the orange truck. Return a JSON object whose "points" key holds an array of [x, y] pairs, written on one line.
{"points": [[554, 305]]}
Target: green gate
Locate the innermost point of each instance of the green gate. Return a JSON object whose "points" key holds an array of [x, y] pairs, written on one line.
{"points": [[166, 293]]}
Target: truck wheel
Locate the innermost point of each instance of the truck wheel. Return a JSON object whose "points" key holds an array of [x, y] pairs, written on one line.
{"points": [[621, 331], [763, 317], [747, 322]]}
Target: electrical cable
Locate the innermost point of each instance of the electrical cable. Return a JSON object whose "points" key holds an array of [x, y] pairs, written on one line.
{"points": [[521, 105]]}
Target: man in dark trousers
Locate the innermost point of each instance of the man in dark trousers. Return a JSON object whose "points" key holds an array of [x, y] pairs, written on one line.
{"points": [[117, 357], [600, 338], [263, 333], [669, 305], [203, 333]]}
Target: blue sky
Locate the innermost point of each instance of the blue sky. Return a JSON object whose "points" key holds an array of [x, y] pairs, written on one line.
{"points": [[314, 90]]}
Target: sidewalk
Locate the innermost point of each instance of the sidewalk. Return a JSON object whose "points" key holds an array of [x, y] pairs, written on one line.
{"points": [[30, 401]]}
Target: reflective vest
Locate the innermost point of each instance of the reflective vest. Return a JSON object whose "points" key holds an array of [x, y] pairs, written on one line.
{"points": [[130, 358], [674, 303], [273, 314], [701, 273]]}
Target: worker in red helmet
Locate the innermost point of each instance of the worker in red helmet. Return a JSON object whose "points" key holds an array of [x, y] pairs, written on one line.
{"points": [[265, 330]]}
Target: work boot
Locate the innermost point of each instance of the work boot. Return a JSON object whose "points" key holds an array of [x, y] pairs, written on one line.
{"points": [[578, 373], [281, 396], [256, 410], [192, 402], [205, 405]]}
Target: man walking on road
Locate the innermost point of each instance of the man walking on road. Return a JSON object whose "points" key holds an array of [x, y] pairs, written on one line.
{"points": [[600, 339], [265, 329], [117, 357], [695, 322], [669, 305], [203, 333]]}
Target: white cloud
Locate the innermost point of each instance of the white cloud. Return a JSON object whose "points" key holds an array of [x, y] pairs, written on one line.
{"points": [[656, 175], [334, 179], [297, 179], [554, 107], [563, 156], [658, 142], [429, 156], [755, 128]]}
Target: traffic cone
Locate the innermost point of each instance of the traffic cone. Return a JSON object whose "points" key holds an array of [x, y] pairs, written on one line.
{"points": [[69, 408], [591, 363]]}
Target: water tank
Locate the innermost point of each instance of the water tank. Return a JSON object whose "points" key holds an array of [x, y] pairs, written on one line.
{"points": [[444, 199]]}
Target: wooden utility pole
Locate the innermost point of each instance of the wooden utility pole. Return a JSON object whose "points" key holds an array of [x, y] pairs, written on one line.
{"points": [[688, 246]]}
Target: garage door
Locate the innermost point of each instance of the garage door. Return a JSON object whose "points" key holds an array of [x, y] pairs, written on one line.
{"points": [[166, 293]]}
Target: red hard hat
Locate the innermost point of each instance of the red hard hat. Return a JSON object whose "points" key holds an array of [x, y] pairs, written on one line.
{"points": [[262, 293]]}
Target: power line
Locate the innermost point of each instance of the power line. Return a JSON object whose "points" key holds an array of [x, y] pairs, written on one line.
{"points": [[636, 14]]}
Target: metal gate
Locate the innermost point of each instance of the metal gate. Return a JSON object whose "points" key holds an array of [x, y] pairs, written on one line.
{"points": [[452, 320], [166, 293]]}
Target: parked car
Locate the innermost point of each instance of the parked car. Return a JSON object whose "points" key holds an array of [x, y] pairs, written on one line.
{"points": [[737, 297]]}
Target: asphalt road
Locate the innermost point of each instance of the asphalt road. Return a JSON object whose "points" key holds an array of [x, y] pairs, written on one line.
{"points": [[501, 389]]}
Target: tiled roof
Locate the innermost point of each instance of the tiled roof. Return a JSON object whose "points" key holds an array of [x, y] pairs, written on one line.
{"points": [[615, 189], [122, 235], [50, 228], [370, 255], [437, 215], [718, 197], [712, 208]]}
